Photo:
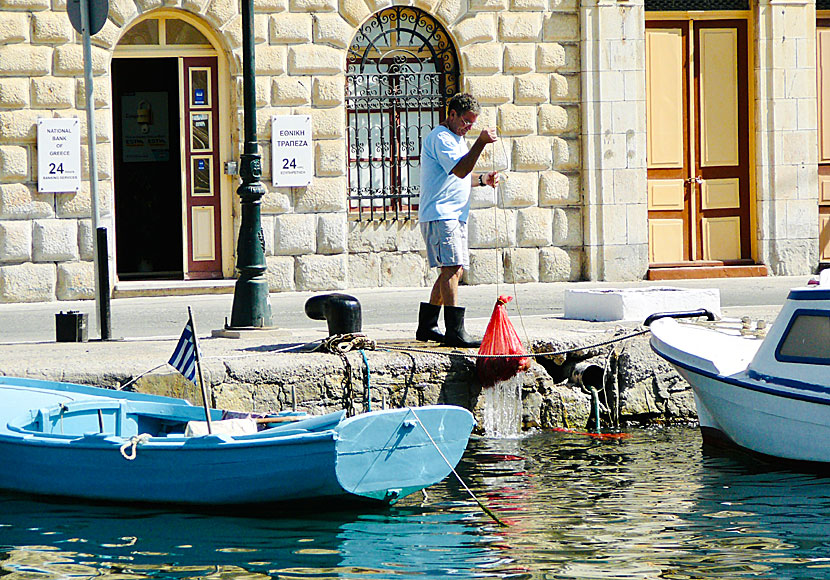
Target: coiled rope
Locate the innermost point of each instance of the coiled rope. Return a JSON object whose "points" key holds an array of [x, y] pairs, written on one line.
{"points": [[133, 444]]}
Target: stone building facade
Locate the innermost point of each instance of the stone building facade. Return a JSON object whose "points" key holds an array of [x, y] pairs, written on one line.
{"points": [[573, 86]]}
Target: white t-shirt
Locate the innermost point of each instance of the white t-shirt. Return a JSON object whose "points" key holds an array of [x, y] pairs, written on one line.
{"points": [[443, 195]]}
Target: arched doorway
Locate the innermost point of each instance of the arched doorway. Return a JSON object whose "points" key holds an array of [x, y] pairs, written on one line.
{"points": [[169, 107]]}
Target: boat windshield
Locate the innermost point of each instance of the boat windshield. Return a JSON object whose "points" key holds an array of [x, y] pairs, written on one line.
{"points": [[806, 339]]}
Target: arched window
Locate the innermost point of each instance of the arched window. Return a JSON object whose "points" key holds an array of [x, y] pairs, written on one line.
{"points": [[402, 68]]}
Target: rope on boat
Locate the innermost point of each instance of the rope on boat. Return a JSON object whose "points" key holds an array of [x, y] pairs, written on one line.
{"points": [[133, 443], [486, 510]]}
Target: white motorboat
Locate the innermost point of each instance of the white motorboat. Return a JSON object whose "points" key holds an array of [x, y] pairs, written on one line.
{"points": [[769, 395]]}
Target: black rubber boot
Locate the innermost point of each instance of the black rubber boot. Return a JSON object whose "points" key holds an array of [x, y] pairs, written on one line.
{"points": [[456, 335], [428, 323]]}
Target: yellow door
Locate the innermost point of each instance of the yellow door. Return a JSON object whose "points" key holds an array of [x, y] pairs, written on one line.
{"points": [[697, 142]]}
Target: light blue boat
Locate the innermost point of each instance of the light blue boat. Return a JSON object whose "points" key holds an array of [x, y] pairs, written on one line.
{"points": [[63, 439]]}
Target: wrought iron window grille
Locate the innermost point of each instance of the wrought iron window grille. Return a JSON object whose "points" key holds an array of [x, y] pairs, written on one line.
{"points": [[402, 68]]}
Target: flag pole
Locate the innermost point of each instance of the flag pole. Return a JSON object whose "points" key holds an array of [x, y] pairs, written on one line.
{"points": [[199, 368]]}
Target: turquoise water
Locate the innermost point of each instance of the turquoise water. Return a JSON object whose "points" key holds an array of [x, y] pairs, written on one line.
{"points": [[650, 506]]}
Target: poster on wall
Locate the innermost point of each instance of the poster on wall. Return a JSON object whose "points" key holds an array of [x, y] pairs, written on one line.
{"points": [[58, 155], [145, 129], [291, 158]]}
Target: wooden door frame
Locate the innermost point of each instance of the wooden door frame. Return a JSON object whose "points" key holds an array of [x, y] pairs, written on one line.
{"points": [[691, 86], [225, 185]]}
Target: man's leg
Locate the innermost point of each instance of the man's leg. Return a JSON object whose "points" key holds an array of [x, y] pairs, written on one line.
{"points": [[445, 290]]}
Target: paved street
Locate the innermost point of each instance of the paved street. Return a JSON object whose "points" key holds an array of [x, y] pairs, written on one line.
{"points": [[386, 307]]}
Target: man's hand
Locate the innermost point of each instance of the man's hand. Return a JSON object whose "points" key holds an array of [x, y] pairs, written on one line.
{"points": [[492, 179], [487, 136]]}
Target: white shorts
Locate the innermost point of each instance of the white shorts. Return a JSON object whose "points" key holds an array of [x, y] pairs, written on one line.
{"points": [[446, 242]]}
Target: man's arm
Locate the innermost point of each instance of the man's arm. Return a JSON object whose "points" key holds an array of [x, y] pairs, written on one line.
{"points": [[466, 164]]}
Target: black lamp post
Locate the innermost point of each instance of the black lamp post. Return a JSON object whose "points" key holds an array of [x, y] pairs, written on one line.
{"points": [[251, 305]]}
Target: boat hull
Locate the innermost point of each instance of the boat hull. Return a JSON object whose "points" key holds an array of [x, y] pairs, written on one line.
{"points": [[380, 456], [774, 420]]}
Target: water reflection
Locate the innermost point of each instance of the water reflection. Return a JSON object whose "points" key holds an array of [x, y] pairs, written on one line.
{"points": [[650, 506]]}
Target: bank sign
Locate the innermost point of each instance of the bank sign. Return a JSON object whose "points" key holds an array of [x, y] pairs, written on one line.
{"points": [[58, 155], [292, 161]]}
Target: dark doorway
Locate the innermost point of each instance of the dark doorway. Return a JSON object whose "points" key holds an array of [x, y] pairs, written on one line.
{"points": [[148, 175]]}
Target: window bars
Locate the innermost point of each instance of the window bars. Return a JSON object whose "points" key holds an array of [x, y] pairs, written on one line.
{"points": [[402, 67]]}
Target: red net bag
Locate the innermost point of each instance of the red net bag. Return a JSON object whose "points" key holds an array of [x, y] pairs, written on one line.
{"points": [[500, 338]]}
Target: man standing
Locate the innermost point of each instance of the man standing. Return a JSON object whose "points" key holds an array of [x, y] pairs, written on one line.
{"points": [[446, 178]]}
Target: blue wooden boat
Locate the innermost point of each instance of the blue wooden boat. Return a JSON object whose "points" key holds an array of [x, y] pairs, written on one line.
{"points": [[64, 439]]}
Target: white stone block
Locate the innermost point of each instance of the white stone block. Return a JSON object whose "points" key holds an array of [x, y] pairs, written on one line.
{"points": [[409, 237], [519, 57], [14, 93], [291, 28], [520, 27], [55, 240], [330, 158], [520, 190], [402, 269], [14, 163], [325, 194], [280, 273], [295, 234], [27, 283], [331, 233], [321, 272], [482, 58], [558, 265], [315, 59], [76, 281], [329, 91], [534, 227], [515, 120], [532, 153], [372, 236], [491, 228], [602, 305], [290, 91], [364, 270], [332, 29], [486, 267], [19, 201], [521, 265], [16, 241], [481, 197]]}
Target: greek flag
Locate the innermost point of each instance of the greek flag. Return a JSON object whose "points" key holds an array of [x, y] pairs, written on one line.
{"points": [[184, 357]]}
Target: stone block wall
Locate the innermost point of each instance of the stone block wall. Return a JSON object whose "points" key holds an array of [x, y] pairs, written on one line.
{"points": [[786, 133], [46, 239], [519, 58]]}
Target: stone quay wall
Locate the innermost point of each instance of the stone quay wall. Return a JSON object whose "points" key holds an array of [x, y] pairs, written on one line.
{"points": [[639, 387]]}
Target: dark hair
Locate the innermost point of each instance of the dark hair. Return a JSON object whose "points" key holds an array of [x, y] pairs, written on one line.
{"points": [[462, 103]]}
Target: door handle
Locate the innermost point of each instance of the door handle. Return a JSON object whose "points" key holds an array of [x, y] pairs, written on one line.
{"points": [[697, 179]]}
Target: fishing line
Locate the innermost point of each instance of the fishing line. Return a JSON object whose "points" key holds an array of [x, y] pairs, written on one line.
{"points": [[499, 248]]}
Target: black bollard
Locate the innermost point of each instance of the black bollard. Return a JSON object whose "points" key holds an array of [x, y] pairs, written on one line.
{"points": [[340, 311]]}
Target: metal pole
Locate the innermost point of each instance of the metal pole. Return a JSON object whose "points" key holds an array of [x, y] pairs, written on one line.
{"points": [[205, 402], [251, 303], [102, 272], [93, 160]]}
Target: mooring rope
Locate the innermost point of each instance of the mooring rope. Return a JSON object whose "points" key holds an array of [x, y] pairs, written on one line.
{"points": [[529, 354], [486, 510]]}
